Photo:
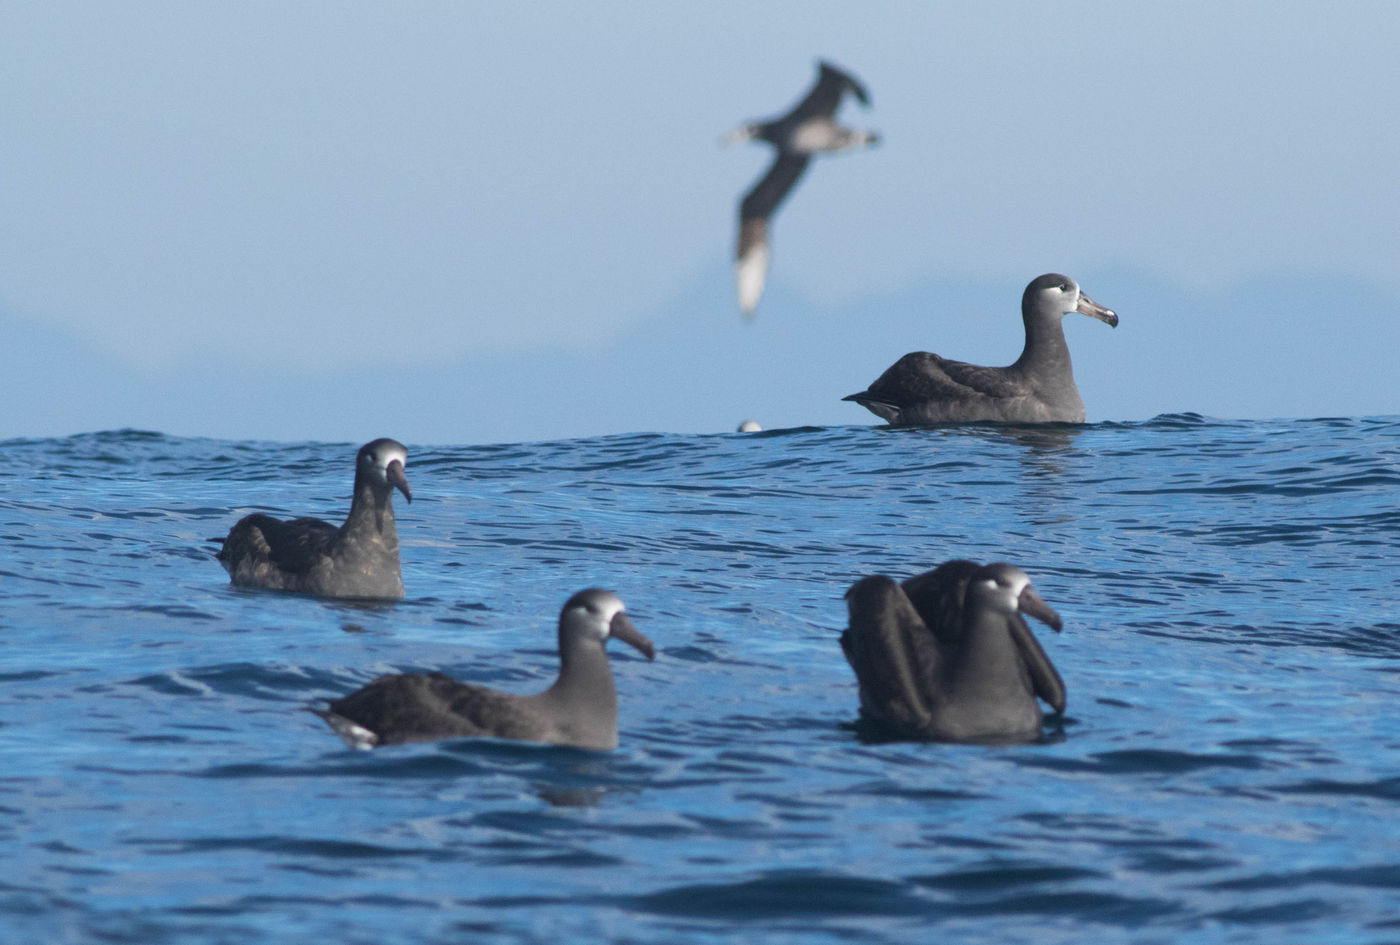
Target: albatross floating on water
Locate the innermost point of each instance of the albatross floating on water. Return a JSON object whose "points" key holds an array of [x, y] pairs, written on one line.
{"points": [[808, 129], [358, 559], [580, 709], [947, 655], [1039, 388]]}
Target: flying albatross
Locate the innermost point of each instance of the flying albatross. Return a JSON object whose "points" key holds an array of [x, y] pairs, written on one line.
{"points": [[580, 709], [1039, 388], [947, 655], [808, 129], [359, 559]]}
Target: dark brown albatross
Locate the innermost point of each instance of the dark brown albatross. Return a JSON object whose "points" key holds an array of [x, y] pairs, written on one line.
{"points": [[947, 655], [579, 710], [1038, 388], [360, 559], [810, 128]]}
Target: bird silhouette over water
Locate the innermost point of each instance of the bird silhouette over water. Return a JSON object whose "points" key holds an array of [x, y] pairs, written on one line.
{"points": [[947, 655], [580, 709], [360, 559], [1038, 388], [809, 129]]}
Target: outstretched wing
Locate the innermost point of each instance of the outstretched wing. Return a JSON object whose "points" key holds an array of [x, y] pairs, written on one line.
{"points": [[938, 596], [1045, 678], [763, 199], [825, 96], [755, 210]]}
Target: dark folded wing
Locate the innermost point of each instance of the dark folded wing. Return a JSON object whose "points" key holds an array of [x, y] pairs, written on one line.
{"points": [[921, 377], [294, 546], [419, 707]]}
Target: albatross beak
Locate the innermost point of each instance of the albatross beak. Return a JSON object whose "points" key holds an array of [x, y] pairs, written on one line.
{"points": [[1088, 306], [394, 473], [622, 628], [1030, 603]]}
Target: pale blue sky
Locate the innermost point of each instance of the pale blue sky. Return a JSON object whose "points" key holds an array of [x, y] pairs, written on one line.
{"points": [[460, 222]]}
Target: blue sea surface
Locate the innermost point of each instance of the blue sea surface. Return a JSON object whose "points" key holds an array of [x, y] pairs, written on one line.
{"points": [[1228, 769]]}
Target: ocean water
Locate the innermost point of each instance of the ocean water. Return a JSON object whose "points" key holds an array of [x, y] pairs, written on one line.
{"points": [[1228, 769]]}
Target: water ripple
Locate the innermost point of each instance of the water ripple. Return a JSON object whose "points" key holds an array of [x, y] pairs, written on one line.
{"points": [[1223, 772]]}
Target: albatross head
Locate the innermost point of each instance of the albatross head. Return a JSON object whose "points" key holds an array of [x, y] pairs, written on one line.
{"points": [[745, 132], [382, 464], [596, 614], [1007, 589], [1055, 296]]}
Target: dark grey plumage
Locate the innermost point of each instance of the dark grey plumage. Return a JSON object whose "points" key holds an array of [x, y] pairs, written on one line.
{"points": [[809, 128], [360, 559], [1038, 388], [580, 709], [947, 655]]}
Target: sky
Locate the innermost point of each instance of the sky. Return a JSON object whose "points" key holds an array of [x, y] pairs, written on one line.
{"points": [[486, 222]]}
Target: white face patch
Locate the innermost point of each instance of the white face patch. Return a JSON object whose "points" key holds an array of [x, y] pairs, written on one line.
{"points": [[611, 608], [1069, 297], [1005, 594], [383, 457], [597, 618], [389, 455]]}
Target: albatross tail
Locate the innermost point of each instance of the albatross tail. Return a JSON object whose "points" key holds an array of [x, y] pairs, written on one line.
{"points": [[751, 270]]}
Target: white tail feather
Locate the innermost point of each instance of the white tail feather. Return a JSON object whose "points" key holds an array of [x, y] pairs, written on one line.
{"points": [[751, 271]]}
